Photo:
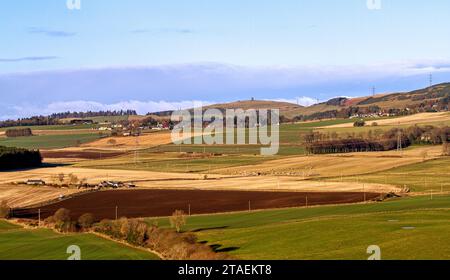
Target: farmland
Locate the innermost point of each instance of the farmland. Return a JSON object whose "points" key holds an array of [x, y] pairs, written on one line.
{"points": [[49, 141], [209, 179], [155, 203], [17, 243], [411, 228]]}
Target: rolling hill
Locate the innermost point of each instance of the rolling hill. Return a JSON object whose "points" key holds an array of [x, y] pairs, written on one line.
{"points": [[430, 99]]}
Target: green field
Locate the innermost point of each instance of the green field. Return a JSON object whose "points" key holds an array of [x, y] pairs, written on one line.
{"points": [[52, 127], [49, 141], [333, 232], [432, 175], [17, 243]]}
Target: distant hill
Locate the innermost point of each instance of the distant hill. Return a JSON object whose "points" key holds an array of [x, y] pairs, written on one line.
{"points": [[284, 107], [431, 99]]}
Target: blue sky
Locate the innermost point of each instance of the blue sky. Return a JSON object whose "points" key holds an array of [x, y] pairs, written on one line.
{"points": [[105, 54]]}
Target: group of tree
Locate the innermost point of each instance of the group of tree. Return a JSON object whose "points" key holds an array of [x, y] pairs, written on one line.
{"points": [[18, 132], [4, 209], [320, 143], [90, 114], [15, 158], [54, 119], [32, 121], [172, 245]]}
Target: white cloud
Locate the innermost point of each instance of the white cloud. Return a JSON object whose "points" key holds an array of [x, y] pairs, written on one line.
{"points": [[141, 107], [303, 100]]}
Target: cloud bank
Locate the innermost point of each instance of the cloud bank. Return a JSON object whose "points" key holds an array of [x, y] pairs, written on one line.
{"points": [[28, 58]]}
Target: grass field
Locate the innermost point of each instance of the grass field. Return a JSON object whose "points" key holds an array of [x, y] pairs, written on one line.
{"points": [[17, 243], [49, 141], [424, 176], [333, 232], [52, 127]]}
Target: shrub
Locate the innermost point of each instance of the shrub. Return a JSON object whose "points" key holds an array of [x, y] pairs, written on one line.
{"points": [[86, 221], [62, 220], [62, 215], [4, 209], [359, 123], [172, 245]]}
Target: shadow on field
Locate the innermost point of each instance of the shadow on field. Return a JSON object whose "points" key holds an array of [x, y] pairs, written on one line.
{"points": [[217, 248], [43, 165], [211, 228]]}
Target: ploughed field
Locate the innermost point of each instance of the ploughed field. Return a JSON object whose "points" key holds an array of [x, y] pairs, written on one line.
{"points": [[158, 202]]}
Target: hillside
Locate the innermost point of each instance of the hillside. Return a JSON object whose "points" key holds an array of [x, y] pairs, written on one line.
{"points": [[430, 99]]}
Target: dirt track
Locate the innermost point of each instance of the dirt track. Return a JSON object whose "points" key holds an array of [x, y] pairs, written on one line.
{"points": [[156, 203]]}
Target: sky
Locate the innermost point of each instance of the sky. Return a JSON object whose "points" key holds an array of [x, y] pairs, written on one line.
{"points": [[154, 55]]}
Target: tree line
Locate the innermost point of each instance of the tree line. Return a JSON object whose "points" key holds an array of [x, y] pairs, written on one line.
{"points": [[14, 158], [53, 119], [319, 143]]}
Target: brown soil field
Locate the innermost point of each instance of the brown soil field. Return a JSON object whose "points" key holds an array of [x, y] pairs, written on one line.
{"points": [[158, 203], [80, 154], [190, 181], [408, 120]]}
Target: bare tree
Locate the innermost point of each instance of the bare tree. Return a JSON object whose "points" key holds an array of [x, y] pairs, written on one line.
{"points": [[73, 179], [178, 220], [86, 221], [61, 177], [4, 209]]}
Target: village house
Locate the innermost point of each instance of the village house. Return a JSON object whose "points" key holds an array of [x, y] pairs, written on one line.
{"points": [[35, 182]]}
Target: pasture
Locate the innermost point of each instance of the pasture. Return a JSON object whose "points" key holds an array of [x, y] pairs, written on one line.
{"points": [[408, 228], [429, 176], [17, 243], [49, 141]]}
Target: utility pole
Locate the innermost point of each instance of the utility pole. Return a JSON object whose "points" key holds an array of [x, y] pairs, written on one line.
{"points": [[373, 91], [399, 141], [306, 201], [136, 151], [117, 208], [431, 80], [364, 192], [249, 206]]}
